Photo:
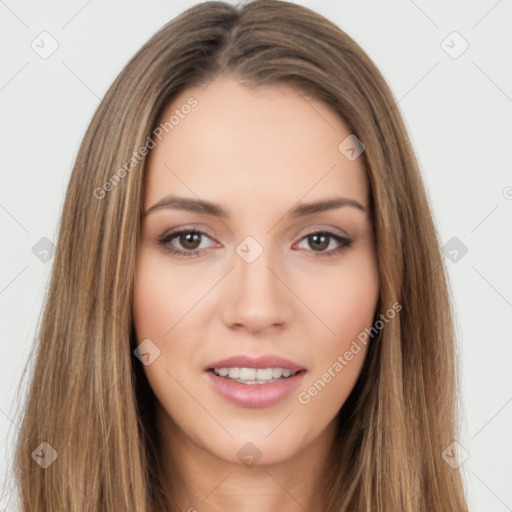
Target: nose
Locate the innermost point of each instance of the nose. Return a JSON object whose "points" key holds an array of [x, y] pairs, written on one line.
{"points": [[257, 299]]}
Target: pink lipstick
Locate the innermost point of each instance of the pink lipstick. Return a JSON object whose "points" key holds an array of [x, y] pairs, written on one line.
{"points": [[254, 382]]}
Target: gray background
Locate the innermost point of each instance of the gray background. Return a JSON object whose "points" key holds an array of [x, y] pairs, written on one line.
{"points": [[458, 112]]}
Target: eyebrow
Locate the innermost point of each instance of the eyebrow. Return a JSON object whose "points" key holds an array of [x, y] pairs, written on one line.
{"points": [[209, 208]]}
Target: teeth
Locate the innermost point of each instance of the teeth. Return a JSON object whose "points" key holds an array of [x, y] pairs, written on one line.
{"points": [[264, 374], [254, 375], [245, 373], [233, 373], [277, 372]]}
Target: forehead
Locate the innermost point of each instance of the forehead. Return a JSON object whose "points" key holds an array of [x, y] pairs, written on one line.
{"points": [[254, 146]]}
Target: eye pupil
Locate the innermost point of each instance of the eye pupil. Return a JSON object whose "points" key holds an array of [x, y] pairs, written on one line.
{"points": [[319, 238], [190, 240]]}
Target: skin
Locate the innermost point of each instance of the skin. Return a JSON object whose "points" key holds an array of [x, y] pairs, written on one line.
{"points": [[257, 153]]}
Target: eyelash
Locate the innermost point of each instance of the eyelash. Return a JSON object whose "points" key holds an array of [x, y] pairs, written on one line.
{"points": [[165, 243]]}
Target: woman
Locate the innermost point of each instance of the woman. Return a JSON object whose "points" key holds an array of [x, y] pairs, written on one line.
{"points": [[248, 308]]}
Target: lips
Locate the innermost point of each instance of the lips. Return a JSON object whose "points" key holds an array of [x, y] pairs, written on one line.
{"points": [[257, 393]]}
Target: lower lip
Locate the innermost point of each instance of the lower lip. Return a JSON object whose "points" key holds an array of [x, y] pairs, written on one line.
{"points": [[255, 395]]}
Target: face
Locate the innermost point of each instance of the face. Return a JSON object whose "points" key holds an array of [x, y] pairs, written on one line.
{"points": [[245, 270]]}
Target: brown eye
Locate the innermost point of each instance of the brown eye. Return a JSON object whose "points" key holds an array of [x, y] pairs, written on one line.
{"points": [[190, 240], [325, 243], [186, 243], [319, 241]]}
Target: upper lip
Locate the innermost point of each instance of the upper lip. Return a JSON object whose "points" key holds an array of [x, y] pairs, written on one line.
{"points": [[247, 361]]}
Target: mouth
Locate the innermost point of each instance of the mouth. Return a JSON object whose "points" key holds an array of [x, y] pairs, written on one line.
{"points": [[249, 381]]}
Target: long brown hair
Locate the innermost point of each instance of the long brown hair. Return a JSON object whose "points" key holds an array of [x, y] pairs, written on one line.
{"points": [[89, 398]]}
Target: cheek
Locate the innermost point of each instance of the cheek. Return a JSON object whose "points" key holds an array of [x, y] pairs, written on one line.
{"points": [[351, 301], [346, 303], [150, 296], [343, 297], [163, 295]]}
